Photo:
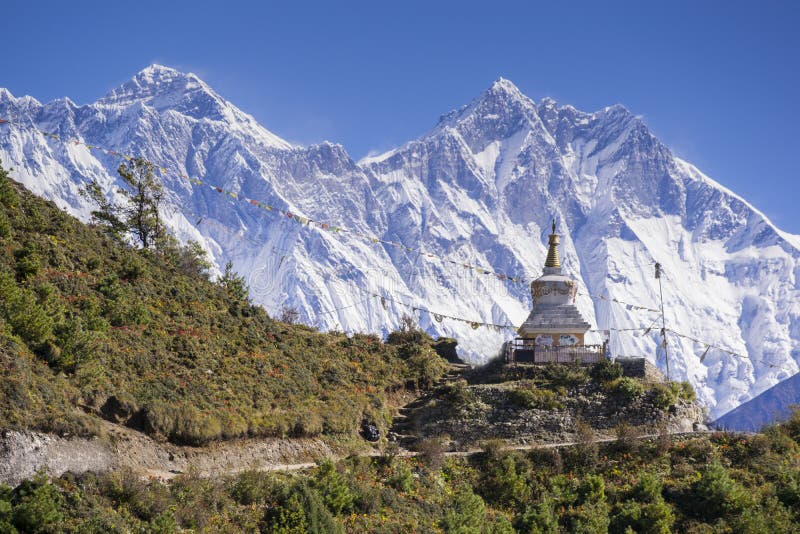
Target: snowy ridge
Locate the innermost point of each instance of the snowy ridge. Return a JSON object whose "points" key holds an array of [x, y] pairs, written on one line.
{"points": [[480, 187]]}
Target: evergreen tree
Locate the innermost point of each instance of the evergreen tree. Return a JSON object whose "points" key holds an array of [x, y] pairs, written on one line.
{"points": [[139, 215]]}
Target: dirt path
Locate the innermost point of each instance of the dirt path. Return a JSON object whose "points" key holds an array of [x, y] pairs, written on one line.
{"points": [[162, 475]]}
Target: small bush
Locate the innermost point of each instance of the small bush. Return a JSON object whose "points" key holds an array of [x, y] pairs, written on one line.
{"points": [[633, 516], [716, 495], [686, 392], [28, 262], [527, 399], [5, 226], [626, 441], [458, 394], [253, 487], [504, 479], [38, 505], [332, 486], [133, 268], [464, 513], [567, 376], [606, 371], [627, 388], [663, 396], [20, 309], [446, 348], [402, 478], [583, 455], [431, 451]]}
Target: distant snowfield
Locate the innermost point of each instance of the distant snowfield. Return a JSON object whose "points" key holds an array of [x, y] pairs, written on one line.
{"points": [[479, 188]]}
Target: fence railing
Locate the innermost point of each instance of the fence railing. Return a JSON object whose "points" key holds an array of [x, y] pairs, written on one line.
{"points": [[525, 351]]}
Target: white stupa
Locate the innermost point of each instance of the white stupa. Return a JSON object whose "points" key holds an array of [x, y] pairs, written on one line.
{"points": [[554, 320]]}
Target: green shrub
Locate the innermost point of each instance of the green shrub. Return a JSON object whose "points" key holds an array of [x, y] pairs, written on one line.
{"points": [[788, 488], [716, 495], [586, 519], [539, 517], [253, 487], [8, 195], [526, 398], [37, 505], [792, 425], [424, 365], [645, 518], [566, 375], [288, 518], [402, 478], [318, 518], [20, 309], [663, 396], [458, 394], [686, 392], [769, 516], [133, 268], [504, 480], [5, 226], [28, 262], [699, 450], [627, 388], [605, 371], [464, 513], [332, 486]]}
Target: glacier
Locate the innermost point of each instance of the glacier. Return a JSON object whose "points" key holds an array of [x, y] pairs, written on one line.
{"points": [[480, 187]]}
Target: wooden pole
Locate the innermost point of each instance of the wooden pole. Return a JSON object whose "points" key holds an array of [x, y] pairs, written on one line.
{"points": [[663, 319]]}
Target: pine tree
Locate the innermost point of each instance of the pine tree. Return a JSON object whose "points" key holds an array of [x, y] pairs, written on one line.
{"points": [[139, 215]]}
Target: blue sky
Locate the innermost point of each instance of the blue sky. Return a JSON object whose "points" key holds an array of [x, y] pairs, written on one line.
{"points": [[716, 81]]}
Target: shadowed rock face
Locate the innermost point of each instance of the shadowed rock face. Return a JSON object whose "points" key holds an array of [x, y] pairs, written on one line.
{"points": [[772, 406], [481, 187]]}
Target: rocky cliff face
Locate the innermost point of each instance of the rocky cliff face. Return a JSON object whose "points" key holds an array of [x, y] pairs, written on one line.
{"points": [[481, 188]]}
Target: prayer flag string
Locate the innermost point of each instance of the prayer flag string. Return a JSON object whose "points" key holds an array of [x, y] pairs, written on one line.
{"points": [[265, 207]]}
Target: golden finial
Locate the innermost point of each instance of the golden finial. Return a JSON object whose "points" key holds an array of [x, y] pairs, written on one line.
{"points": [[552, 253]]}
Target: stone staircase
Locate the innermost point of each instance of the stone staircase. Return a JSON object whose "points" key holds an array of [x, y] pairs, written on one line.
{"points": [[403, 430]]}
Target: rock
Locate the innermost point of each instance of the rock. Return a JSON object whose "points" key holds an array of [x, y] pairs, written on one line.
{"points": [[22, 454], [116, 410], [370, 432]]}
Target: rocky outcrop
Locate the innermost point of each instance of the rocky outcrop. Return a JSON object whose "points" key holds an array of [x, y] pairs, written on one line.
{"points": [[23, 453], [470, 414]]}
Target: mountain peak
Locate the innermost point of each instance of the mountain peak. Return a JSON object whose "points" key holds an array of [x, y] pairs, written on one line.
{"points": [[156, 82], [505, 89]]}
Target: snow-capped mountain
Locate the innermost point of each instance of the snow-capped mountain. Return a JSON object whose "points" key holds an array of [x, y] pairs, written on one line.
{"points": [[481, 188]]}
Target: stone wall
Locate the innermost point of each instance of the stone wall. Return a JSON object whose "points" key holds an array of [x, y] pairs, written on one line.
{"points": [[490, 411], [641, 368]]}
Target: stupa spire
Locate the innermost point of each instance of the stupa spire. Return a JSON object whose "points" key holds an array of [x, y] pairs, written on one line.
{"points": [[553, 261]]}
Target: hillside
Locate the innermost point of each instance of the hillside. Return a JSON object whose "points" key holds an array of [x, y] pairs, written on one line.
{"points": [[92, 328], [479, 188]]}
